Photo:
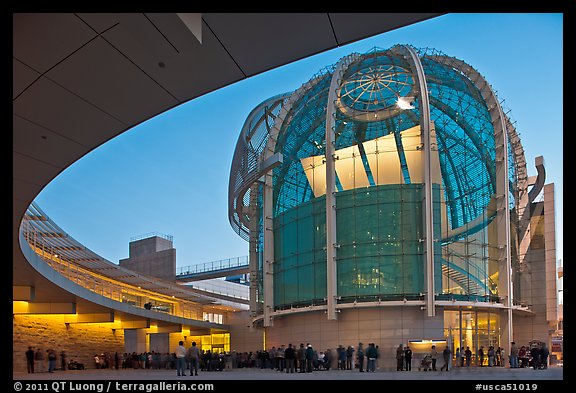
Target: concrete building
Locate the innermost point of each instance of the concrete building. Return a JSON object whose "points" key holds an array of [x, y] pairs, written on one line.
{"points": [[153, 255]]}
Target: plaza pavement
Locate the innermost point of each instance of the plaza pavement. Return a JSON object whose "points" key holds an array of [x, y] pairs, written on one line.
{"points": [[457, 373]]}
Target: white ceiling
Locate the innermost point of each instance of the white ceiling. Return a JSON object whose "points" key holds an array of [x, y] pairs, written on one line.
{"points": [[79, 80]]}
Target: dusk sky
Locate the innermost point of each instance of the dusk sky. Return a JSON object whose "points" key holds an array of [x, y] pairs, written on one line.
{"points": [[170, 174]]}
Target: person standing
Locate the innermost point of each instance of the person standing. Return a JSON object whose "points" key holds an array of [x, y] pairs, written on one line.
{"points": [[30, 360], [289, 356], [447, 355], [349, 357], [481, 356], [408, 358], [309, 358], [39, 361], [458, 358], [302, 358], [63, 362], [371, 354], [180, 359], [491, 356], [52, 357], [280, 354], [273, 359], [193, 355], [468, 356], [328, 359], [544, 353], [433, 356], [341, 357], [360, 355], [535, 352], [513, 355], [400, 358]]}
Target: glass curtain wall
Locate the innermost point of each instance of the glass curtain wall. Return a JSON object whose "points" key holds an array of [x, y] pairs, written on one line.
{"points": [[464, 144], [472, 328], [379, 184]]}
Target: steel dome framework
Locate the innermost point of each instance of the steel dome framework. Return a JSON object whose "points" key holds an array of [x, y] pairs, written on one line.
{"points": [[388, 175]]}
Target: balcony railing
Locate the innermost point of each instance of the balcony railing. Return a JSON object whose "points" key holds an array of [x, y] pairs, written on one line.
{"points": [[80, 265]]}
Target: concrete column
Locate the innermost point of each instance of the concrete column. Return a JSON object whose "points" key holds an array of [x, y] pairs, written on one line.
{"points": [[550, 255]]}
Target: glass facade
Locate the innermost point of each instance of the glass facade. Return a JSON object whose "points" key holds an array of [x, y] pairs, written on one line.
{"points": [[380, 255], [473, 328], [380, 178]]}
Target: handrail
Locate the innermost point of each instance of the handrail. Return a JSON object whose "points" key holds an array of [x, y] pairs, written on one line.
{"points": [[221, 264], [82, 266]]}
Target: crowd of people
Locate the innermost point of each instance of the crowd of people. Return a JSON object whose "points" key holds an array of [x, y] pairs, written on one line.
{"points": [[44, 361], [301, 358]]}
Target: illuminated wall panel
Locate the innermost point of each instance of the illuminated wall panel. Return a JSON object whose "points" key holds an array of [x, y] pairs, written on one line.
{"points": [[384, 161], [315, 170], [350, 169]]}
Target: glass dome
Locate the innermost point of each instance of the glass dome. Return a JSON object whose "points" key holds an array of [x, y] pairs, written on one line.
{"points": [[379, 183]]}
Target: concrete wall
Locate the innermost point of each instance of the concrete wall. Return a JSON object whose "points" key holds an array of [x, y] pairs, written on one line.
{"points": [[243, 337], [148, 246], [135, 340], [550, 254], [538, 283], [387, 327], [159, 342], [80, 341]]}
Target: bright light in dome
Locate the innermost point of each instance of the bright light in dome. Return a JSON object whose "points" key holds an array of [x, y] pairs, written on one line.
{"points": [[404, 103]]}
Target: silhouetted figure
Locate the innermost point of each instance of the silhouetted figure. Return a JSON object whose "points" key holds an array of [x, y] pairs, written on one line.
{"points": [[400, 358], [447, 355], [193, 355], [30, 360], [535, 352], [468, 356], [544, 353], [408, 358], [289, 357], [360, 355]]}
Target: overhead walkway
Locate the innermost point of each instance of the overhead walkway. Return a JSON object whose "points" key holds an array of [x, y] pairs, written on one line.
{"points": [[222, 268]]}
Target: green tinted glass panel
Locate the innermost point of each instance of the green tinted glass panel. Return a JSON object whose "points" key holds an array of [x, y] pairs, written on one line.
{"points": [[380, 250]]}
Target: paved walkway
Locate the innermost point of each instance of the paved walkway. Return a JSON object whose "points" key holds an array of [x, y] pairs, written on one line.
{"points": [[472, 373]]}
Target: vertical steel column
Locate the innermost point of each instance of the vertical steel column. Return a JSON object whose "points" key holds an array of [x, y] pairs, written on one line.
{"points": [[267, 208], [267, 268], [253, 250], [427, 202], [502, 211], [331, 228]]}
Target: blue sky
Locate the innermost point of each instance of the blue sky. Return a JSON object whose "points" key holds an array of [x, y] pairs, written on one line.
{"points": [[170, 174]]}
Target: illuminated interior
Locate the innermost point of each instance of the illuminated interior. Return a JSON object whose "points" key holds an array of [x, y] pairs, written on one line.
{"points": [[472, 328]]}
